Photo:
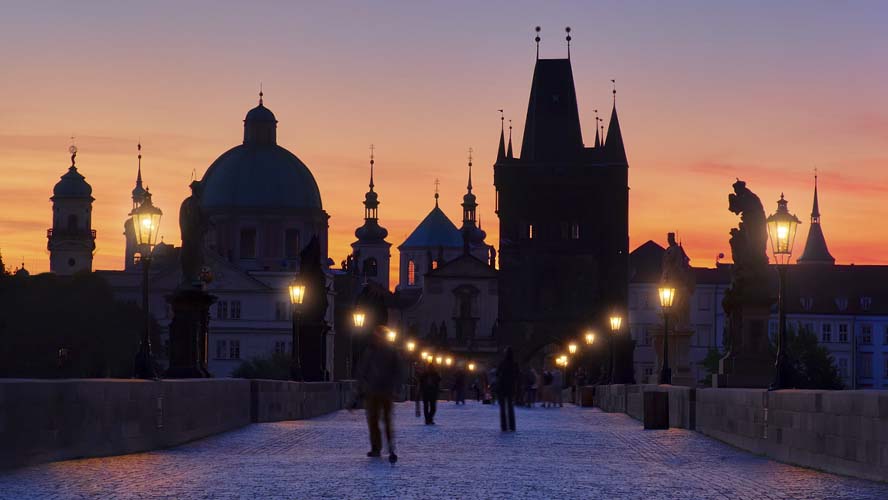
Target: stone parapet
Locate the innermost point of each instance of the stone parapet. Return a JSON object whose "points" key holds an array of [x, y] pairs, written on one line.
{"points": [[275, 400]]}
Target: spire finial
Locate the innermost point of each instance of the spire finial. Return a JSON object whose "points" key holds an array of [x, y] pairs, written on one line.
{"points": [[437, 183], [567, 30], [139, 156], [597, 138], [372, 162], [469, 186], [537, 40], [260, 93], [614, 84], [502, 119], [509, 152], [73, 150]]}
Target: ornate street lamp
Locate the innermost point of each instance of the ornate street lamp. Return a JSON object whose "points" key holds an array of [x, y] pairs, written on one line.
{"points": [[358, 318], [667, 296], [424, 354], [411, 346], [297, 297], [471, 367], [146, 223], [590, 338], [616, 321], [572, 348], [448, 361], [439, 360], [782, 227], [391, 335]]}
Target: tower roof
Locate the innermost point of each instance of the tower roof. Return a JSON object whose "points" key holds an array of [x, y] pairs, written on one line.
{"points": [[72, 184], [552, 128], [816, 251], [613, 144]]}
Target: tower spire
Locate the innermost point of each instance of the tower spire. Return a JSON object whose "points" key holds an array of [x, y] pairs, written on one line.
{"points": [[437, 182], [816, 251], [537, 40], [597, 137], [815, 211], [509, 152], [501, 151], [613, 144], [469, 186], [372, 162], [260, 93]]}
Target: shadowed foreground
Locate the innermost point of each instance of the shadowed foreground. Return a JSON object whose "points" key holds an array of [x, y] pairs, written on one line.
{"points": [[556, 453]]}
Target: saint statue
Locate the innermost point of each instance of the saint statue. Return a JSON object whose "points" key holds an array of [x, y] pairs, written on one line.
{"points": [[193, 226], [677, 272]]}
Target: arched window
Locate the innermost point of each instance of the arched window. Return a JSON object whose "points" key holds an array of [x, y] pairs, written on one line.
{"points": [[72, 222], [370, 267], [411, 272]]}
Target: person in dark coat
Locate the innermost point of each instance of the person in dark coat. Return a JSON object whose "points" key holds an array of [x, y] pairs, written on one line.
{"points": [[380, 374], [507, 377], [459, 387], [430, 386]]}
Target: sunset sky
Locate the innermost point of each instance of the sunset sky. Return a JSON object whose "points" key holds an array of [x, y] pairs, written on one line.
{"points": [[706, 92]]}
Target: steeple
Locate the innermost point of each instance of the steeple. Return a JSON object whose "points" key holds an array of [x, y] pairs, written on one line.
{"points": [[469, 203], [816, 251], [597, 137], [371, 230], [613, 144], [509, 152], [139, 192]]}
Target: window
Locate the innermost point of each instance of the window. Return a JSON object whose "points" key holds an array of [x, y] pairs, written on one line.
{"points": [[866, 334], [530, 231], [221, 349], [222, 309], [826, 332], [843, 367], [574, 231], [843, 333], [235, 309], [866, 303], [291, 243], [411, 272], [371, 268], [866, 365], [280, 347], [248, 243], [648, 371], [234, 349]]}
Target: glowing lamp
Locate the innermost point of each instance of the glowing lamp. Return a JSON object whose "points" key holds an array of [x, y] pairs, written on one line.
{"points": [[616, 321], [572, 348], [782, 227], [359, 318], [448, 361], [391, 335], [146, 223], [411, 346], [590, 338], [667, 296], [297, 292]]}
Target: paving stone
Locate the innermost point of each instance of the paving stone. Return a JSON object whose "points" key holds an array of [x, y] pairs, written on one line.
{"points": [[567, 452]]}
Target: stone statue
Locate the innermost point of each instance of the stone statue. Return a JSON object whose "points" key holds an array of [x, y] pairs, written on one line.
{"points": [[676, 270], [193, 226], [749, 278]]}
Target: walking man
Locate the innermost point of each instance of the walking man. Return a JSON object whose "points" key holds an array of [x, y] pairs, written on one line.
{"points": [[380, 374], [507, 377], [430, 385]]}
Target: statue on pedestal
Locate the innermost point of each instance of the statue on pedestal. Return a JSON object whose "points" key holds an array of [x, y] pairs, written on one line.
{"points": [[676, 271], [193, 226], [747, 302]]}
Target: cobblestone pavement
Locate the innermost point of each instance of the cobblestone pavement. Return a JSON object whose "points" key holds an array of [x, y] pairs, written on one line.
{"points": [[556, 453]]}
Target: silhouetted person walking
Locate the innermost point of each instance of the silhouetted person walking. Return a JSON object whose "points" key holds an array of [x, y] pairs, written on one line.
{"points": [[379, 374], [507, 377], [430, 385]]}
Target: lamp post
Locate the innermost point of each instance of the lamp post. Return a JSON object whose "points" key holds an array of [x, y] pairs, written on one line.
{"points": [[782, 227], [667, 296], [297, 297], [146, 223], [615, 322], [358, 317]]}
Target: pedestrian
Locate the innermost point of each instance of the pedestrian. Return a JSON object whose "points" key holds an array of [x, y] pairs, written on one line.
{"points": [[547, 388], [530, 388], [430, 385], [380, 374], [557, 383], [459, 387], [507, 377]]}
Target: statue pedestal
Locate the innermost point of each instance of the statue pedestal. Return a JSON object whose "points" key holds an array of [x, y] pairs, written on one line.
{"points": [[189, 332], [749, 362], [679, 356]]}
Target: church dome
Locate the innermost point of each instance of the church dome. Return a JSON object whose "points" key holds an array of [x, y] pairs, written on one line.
{"points": [[72, 185], [371, 232], [259, 174]]}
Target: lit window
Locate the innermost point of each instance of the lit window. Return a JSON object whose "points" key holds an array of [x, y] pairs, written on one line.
{"points": [[234, 349], [530, 231], [411, 272], [435, 264]]}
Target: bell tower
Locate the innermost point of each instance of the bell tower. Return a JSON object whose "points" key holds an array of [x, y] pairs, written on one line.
{"points": [[371, 252], [71, 240]]}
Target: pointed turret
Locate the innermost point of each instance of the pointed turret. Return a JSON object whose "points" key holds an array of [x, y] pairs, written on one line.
{"points": [[613, 144], [816, 251], [597, 136], [371, 231], [138, 191], [501, 150], [509, 152]]}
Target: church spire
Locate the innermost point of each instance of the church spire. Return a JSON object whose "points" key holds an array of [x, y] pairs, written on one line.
{"points": [[139, 192], [597, 137], [371, 231], [509, 151], [816, 251]]}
